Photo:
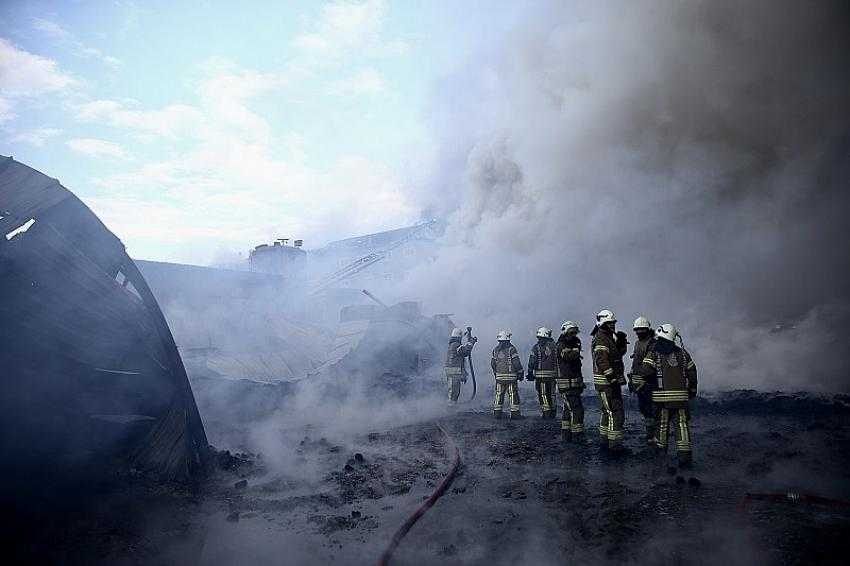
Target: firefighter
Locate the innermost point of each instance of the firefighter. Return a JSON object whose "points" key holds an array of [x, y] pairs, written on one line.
{"points": [[570, 382], [637, 385], [673, 373], [542, 370], [507, 369], [609, 347], [455, 366]]}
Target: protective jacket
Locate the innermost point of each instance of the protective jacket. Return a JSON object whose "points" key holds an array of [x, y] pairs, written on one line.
{"points": [[505, 362], [569, 362], [456, 357], [638, 354], [543, 360], [671, 372], [608, 369]]}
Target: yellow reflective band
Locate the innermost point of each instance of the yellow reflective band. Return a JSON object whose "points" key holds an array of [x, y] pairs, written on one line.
{"points": [[608, 371], [600, 349], [649, 361], [544, 373], [453, 370], [691, 364], [662, 396]]}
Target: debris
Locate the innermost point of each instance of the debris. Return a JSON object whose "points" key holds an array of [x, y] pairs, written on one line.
{"points": [[233, 517], [449, 550], [355, 514], [241, 484]]}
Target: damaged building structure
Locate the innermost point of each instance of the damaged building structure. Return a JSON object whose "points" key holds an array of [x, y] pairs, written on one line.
{"points": [[91, 374], [292, 314], [107, 355]]}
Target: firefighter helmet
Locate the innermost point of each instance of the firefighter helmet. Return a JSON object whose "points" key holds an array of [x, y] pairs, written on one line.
{"points": [[544, 332], [568, 325], [605, 315], [503, 335], [642, 322], [457, 332], [667, 331]]}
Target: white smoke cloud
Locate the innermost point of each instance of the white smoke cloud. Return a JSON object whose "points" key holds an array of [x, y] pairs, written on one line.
{"points": [[676, 160]]}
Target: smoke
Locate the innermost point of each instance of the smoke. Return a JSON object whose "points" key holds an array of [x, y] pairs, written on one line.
{"points": [[686, 161]]}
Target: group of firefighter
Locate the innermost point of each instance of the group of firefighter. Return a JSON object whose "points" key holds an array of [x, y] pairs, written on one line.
{"points": [[663, 377]]}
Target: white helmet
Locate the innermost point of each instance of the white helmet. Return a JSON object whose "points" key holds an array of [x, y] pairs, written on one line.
{"points": [[544, 332], [568, 325], [457, 332], [641, 322], [503, 335], [667, 331], [604, 316]]}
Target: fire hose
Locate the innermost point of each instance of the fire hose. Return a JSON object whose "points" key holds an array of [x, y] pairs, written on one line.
{"points": [[422, 509]]}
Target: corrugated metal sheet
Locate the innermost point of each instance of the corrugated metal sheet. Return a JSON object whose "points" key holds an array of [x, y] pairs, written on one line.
{"points": [[83, 337]]}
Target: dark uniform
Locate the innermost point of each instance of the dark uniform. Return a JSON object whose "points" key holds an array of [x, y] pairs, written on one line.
{"points": [[608, 377], [570, 385], [455, 366], [543, 369], [674, 375], [641, 387], [507, 369]]}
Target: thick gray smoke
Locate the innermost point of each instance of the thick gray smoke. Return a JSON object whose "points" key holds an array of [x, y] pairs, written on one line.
{"points": [[687, 161]]}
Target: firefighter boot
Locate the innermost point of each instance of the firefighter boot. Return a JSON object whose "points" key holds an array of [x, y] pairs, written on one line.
{"points": [[516, 416]]}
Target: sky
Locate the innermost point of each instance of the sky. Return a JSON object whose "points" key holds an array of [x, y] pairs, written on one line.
{"points": [[196, 130]]}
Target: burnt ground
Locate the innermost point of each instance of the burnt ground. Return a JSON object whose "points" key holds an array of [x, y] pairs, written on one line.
{"points": [[522, 496]]}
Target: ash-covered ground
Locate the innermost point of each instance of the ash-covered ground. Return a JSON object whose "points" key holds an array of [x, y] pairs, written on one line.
{"points": [[522, 495]]}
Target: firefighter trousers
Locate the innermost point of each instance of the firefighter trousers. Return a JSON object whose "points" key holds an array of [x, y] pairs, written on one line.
{"points": [[675, 417], [572, 418], [454, 382], [546, 397], [612, 415], [647, 411], [510, 387]]}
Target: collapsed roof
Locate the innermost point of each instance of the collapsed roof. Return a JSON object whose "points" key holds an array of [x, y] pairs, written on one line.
{"points": [[90, 373]]}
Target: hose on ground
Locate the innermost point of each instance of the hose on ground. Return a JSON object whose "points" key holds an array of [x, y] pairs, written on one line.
{"points": [[422, 509]]}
